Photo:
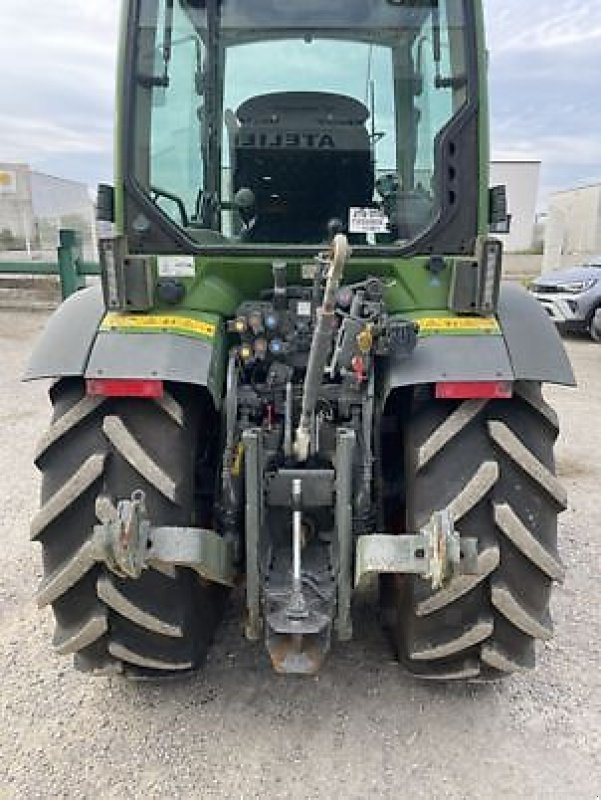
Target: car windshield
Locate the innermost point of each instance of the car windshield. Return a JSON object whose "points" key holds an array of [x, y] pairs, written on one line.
{"points": [[274, 121]]}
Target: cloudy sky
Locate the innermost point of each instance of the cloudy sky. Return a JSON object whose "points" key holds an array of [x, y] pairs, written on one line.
{"points": [[57, 73]]}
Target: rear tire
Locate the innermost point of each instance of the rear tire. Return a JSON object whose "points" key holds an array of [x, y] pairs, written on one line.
{"points": [[164, 622], [492, 463]]}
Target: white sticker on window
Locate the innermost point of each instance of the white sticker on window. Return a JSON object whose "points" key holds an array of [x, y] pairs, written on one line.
{"points": [[368, 220], [303, 308], [176, 267]]}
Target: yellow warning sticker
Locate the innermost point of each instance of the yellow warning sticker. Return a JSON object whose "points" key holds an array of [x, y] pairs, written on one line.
{"points": [[458, 326], [154, 323]]}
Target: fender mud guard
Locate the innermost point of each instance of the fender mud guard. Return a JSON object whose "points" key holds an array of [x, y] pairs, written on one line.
{"points": [[530, 349], [64, 347], [534, 346], [73, 345]]}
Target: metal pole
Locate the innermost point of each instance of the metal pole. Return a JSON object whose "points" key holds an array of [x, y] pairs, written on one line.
{"points": [[252, 449], [344, 527], [288, 446], [297, 535], [297, 608]]}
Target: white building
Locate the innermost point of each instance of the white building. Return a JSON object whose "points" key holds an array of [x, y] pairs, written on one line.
{"points": [[522, 181], [34, 207], [17, 229], [573, 232]]}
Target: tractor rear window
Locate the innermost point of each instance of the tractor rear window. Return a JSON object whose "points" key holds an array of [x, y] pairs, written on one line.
{"points": [[277, 122]]}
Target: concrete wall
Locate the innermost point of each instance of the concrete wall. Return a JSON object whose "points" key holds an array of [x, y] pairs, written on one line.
{"points": [[573, 233], [521, 267], [522, 181]]}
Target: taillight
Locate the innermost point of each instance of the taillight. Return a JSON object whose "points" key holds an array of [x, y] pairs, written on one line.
{"points": [[474, 390], [129, 387]]}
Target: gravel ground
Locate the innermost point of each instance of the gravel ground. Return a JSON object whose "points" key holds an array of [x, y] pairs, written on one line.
{"points": [[361, 729]]}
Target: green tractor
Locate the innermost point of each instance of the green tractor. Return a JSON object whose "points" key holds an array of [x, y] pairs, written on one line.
{"points": [[301, 375]]}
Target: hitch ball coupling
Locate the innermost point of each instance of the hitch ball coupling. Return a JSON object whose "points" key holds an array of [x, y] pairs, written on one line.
{"points": [[437, 553]]}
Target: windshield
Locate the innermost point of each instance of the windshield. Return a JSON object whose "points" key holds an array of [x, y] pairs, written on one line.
{"points": [[281, 122]]}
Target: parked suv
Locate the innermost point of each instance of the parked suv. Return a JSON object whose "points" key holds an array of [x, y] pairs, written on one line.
{"points": [[572, 297]]}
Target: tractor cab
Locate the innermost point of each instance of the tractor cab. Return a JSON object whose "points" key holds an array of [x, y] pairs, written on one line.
{"points": [[279, 123]]}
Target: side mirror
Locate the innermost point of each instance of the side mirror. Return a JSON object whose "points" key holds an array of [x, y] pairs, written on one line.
{"points": [[105, 204], [499, 219]]}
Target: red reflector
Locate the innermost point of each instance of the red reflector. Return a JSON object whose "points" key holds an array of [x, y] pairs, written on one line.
{"points": [[475, 390], [114, 387]]}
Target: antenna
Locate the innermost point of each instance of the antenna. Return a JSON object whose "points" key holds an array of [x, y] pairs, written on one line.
{"points": [[376, 135], [368, 79]]}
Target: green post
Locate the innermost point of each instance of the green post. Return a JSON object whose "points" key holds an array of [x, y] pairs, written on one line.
{"points": [[69, 261]]}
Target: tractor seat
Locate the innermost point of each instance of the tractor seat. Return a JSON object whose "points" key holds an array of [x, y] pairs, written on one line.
{"points": [[306, 158]]}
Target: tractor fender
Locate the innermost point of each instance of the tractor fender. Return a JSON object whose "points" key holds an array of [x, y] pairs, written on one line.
{"points": [[533, 344], [529, 349], [73, 344], [64, 347], [158, 356]]}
